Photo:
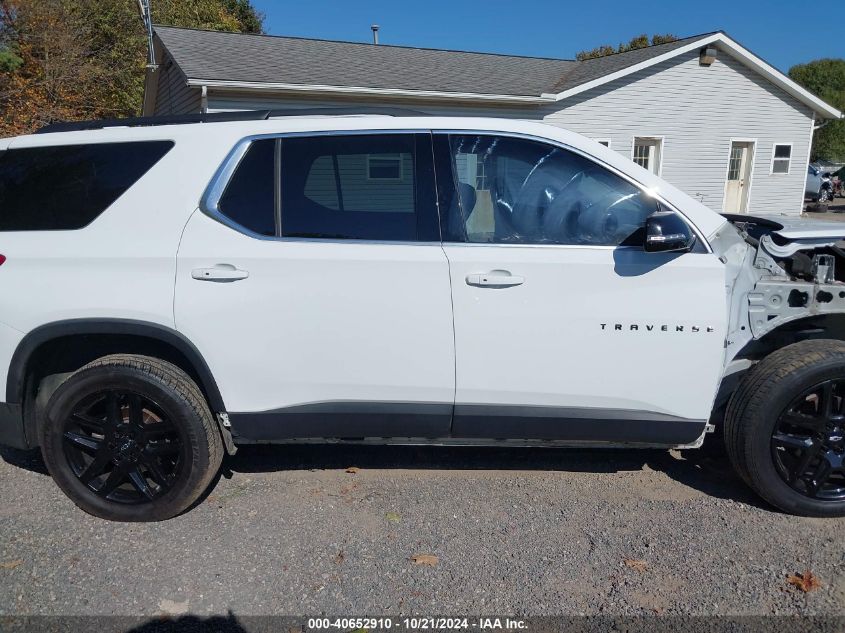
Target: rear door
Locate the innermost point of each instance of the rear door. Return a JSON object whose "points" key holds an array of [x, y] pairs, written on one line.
{"points": [[565, 328], [317, 289]]}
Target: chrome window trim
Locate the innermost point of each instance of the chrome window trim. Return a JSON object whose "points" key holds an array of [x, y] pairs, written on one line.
{"points": [[210, 200], [220, 180]]}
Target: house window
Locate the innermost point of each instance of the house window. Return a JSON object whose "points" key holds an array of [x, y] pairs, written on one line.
{"points": [[384, 166], [647, 153], [781, 158]]}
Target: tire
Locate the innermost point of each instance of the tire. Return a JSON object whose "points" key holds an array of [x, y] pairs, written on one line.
{"points": [[768, 451], [131, 438], [824, 195]]}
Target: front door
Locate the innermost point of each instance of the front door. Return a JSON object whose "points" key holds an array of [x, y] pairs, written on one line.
{"points": [[564, 327], [317, 290], [739, 177]]}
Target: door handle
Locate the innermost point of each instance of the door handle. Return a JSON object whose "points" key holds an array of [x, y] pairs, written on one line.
{"points": [[220, 273], [495, 279]]}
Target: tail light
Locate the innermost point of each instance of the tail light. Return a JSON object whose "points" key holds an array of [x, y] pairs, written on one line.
{"points": [[2, 259]]}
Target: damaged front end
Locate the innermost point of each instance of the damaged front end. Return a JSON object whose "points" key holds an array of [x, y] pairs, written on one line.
{"points": [[799, 270]]}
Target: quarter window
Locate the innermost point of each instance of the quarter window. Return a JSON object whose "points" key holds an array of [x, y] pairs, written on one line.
{"points": [[67, 187], [781, 158], [249, 198], [533, 193]]}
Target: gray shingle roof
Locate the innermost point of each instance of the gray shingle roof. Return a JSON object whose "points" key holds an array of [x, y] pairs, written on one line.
{"points": [[602, 66], [267, 59], [218, 56]]}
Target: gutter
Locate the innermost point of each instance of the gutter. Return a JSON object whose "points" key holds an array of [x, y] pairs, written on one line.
{"points": [[826, 123], [364, 91]]}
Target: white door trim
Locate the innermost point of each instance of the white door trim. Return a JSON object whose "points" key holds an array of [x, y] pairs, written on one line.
{"points": [[809, 154], [753, 143]]}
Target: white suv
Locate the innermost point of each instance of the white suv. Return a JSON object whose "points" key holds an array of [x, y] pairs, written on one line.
{"points": [[171, 289]]}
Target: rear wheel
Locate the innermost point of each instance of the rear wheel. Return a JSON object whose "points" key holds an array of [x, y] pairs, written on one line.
{"points": [[130, 438], [785, 426], [824, 195]]}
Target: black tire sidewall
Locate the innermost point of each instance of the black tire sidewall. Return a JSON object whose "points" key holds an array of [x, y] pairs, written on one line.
{"points": [[758, 439], [174, 405]]}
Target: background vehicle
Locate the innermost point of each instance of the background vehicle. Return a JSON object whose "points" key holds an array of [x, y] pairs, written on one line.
{"points": [[819, 186], [170, 291], [839, 183]]}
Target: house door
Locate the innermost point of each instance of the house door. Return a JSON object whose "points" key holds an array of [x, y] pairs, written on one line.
{"points": [[739, 177]]}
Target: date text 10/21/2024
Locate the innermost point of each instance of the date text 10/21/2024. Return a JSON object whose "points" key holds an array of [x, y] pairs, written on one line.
{"points": [[416, 624]]}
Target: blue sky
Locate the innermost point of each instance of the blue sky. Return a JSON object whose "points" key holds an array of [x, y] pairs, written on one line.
{"points": [[783, 32]]}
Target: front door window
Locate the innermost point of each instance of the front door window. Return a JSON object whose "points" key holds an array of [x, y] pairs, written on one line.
{"points": [[518, 191]]}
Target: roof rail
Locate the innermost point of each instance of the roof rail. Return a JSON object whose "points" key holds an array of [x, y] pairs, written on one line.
{"points": [[362, 111], [144, 121], [219, 117]]}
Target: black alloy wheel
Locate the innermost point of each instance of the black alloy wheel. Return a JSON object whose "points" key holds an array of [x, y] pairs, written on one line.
{"points": [[808, 442], [122, 446]]}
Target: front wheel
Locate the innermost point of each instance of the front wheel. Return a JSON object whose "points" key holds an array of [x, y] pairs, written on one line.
{"points": [[130, 438], [785, 428], [824, 195]]}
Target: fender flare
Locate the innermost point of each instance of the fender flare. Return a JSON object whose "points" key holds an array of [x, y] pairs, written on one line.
{"points": [[72, 327]]}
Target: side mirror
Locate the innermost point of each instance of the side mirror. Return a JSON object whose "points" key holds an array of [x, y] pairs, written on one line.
{"points": [[665, 231]]}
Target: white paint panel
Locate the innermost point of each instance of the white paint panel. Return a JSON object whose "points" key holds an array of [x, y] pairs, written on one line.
{"points": [[317, 321], [123, 264], [554, 340]]}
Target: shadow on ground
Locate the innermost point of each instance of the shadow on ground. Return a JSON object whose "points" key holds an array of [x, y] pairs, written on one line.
{"points": [[706, 470]]}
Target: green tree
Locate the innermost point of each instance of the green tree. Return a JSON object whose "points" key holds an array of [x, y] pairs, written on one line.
{"points": [[640, 41], [826, 79], [83, 59]]}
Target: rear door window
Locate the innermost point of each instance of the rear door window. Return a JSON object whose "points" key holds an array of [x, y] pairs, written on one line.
{"points": [[67, 187], [358, 187]]}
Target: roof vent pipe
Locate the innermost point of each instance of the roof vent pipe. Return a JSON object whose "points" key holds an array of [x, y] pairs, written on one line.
{"points": [[374, 27]]}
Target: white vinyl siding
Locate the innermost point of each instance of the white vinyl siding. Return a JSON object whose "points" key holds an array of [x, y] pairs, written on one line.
{"points": [[228, 101], [698, 110]]}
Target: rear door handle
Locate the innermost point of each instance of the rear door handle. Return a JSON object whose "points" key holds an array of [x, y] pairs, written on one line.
{"points": [[495, 279], [220, 272]]}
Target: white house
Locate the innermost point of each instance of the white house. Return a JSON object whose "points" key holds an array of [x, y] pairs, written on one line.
{"points": [[704, 112]]}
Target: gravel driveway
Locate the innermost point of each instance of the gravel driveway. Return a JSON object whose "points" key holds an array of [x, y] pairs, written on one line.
{"points": [[514, 531]]}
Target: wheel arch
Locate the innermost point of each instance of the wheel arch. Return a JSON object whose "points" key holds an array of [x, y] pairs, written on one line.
{"points": [[820, 326], [56, 347]]}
